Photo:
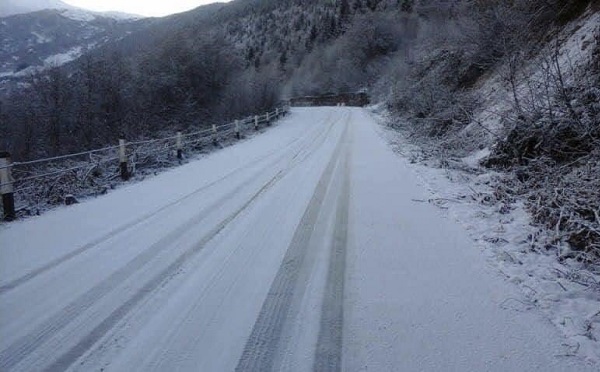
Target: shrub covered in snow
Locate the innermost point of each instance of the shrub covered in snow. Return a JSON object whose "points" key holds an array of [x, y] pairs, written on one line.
{"points": [[533, 67]]}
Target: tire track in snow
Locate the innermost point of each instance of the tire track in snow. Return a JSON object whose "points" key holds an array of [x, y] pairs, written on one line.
{"points": [[19, 350], [68, 358], [119, 230], [103, 328], [328, 356], [265, 341], [314, 144], [22, 348]]}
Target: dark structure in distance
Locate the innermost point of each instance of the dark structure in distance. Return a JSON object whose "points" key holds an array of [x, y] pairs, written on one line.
{"points": [[347, 99]]}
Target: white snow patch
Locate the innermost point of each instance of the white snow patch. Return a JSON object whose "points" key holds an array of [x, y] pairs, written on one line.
{"points": [[120, 16], [62, 58], [41, 39], [31, 70], [475, 158], [581, 37], [496, 108], [79, 15]]}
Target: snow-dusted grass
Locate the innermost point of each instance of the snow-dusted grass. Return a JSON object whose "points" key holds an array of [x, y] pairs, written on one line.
{"points": [[62, 58]]}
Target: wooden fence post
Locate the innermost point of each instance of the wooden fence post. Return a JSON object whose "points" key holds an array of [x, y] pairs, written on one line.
{"points": [[237, 129], [277, 113], [7, 187], [123, 160], [268, 118], [214, 131], [256, 122], [179, 146]]}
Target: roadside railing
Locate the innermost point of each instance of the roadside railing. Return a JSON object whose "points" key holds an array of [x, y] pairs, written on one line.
{"points": [[30, 186]]}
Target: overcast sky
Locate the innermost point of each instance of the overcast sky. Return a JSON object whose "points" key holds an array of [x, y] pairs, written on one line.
{"points": [[154, 8]]}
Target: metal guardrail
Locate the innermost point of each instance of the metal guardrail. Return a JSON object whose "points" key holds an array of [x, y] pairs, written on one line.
{"points": [[61, 176]]}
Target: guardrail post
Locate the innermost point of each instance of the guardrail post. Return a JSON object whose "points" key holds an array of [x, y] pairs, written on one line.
{"points": [[123, 160], [214, 131], [256, 122], [179, 146], [237, 129], [7, 187]]}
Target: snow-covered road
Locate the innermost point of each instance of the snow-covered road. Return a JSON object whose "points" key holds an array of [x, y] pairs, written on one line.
{"points": [[305, 248]]}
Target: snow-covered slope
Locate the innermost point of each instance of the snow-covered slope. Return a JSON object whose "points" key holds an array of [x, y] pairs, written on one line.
{"points": [[47, 38], [38, 34], [306, 248]]}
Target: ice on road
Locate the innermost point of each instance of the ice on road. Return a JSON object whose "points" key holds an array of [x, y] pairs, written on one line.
{"points": [[304, 248]]}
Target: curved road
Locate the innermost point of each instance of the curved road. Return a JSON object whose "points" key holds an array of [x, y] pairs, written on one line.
{"points": [[300, 249]]}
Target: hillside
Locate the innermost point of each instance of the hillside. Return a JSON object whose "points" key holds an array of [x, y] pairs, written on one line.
{"points": [[35, 41]]}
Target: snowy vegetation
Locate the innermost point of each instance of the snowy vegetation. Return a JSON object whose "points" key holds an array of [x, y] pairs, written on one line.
{"points": [[544, 131]]}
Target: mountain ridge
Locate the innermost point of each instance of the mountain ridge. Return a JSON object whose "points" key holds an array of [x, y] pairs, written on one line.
{"points": [[14, 7], [10, 8], [35, 41]]}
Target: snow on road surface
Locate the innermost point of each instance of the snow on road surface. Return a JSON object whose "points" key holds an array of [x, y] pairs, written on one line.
{"points": [[304, 248]]}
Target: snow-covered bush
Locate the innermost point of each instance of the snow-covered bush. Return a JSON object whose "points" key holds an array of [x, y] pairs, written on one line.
{"points": [[553, 146], [549, 120]]}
